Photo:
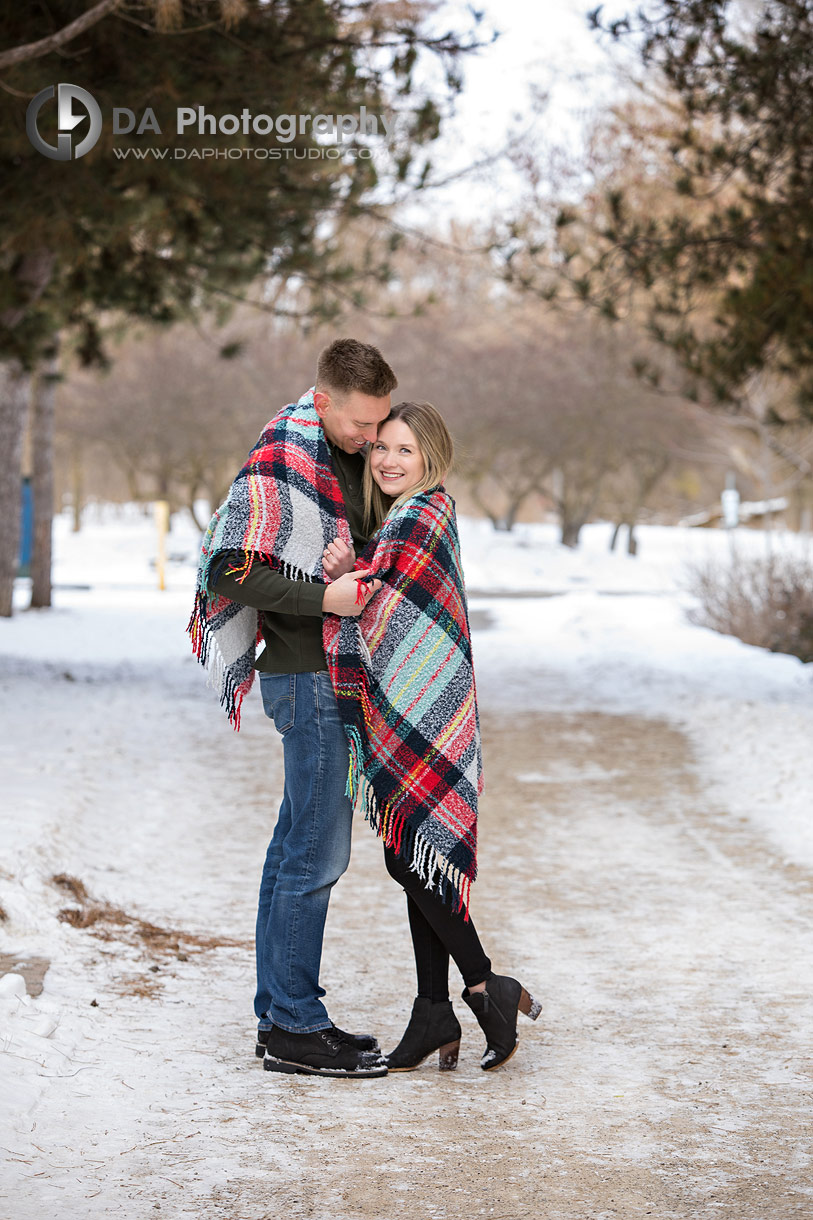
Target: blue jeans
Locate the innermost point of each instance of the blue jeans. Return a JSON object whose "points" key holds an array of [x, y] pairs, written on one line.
{"points": [[309, 850]]}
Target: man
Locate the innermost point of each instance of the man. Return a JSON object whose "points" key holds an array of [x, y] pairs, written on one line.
{"points": [[301, 488]]}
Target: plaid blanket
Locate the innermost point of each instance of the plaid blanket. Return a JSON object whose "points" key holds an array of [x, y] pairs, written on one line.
{"points": [[284, 507], [404, 681]]}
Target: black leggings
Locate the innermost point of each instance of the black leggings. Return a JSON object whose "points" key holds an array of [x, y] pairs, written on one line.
{"points": [[437, 932]]}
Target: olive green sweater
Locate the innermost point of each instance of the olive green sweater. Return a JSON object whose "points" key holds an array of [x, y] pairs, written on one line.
{"points": [[291, 610]]}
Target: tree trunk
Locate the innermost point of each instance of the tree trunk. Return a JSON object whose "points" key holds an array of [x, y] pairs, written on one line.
{"points": [[77, 486], [14, 387], [190, 504], [478, 499], [42, 477], [570, 533], [509, 518], [632, 542], [133, 490], [33, 275]]}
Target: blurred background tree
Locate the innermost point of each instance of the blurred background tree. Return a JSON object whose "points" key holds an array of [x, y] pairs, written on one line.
{"points": [[85, 242], [546, 411], [697, 220], [591, 337]]}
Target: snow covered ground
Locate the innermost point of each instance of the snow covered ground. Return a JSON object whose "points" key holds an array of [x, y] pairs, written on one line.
{"points": [[647, 856]]}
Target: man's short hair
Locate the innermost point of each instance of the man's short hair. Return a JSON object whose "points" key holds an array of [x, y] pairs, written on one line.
{"points": [[347, 365]]}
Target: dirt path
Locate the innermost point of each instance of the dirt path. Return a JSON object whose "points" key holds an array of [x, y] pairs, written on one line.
{"points": [[669, 1074]]}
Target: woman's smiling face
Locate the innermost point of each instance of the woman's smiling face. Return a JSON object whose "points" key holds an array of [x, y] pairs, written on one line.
{"points": [[396, 462]]}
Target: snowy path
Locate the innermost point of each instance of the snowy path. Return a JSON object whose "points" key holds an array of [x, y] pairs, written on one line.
{"points": [[669, 1074], [646, 869]]}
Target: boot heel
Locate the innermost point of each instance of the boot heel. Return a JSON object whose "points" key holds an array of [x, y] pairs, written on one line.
{"points": [[447, 1056], [528, 1005]]}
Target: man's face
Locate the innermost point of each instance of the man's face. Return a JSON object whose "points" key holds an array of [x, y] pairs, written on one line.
{"points": [[351, 420]]}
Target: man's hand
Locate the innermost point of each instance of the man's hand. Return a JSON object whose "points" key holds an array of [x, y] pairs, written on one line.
{"points": [[338, 558], [346, 597]]}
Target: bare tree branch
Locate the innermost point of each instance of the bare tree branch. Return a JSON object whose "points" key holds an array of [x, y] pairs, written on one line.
{"points": [[34, 50]]}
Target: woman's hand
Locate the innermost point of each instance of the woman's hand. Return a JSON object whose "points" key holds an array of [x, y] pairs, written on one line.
{"points": [[338, 558], [346, 596]]}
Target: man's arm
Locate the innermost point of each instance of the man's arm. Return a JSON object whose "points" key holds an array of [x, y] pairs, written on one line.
{"points": [[265, 589]]}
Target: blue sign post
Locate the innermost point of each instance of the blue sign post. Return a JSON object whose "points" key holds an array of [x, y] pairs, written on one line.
{"points": [[26, 529]]}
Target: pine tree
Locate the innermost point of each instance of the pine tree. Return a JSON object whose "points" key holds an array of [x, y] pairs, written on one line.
{"points": [[728, 270], [162, 237]]}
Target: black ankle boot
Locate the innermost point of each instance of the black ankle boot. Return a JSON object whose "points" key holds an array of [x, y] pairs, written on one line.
{"points": [[496, 1011], [432, 1027]]}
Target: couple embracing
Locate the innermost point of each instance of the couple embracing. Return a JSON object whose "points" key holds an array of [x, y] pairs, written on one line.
{"points": [[367, 675]]}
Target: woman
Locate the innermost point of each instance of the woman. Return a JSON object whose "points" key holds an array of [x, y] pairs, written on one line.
{"points": [[404, 683]]}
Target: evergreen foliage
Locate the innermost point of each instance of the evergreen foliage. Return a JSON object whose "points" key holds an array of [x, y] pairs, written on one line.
{"points": [[739, 231], [152, 238]]}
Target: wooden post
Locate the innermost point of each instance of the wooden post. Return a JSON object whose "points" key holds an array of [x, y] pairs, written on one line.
{"points": [[162, 525]]}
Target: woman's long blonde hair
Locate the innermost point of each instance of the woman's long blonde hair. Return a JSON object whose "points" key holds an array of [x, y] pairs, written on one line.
{"points": [[436, 449]]}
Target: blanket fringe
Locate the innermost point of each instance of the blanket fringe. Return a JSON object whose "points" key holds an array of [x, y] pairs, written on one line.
{"points": [[207, 651], [443, 878], [259, 522], [290, 570], [355, 770]]}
